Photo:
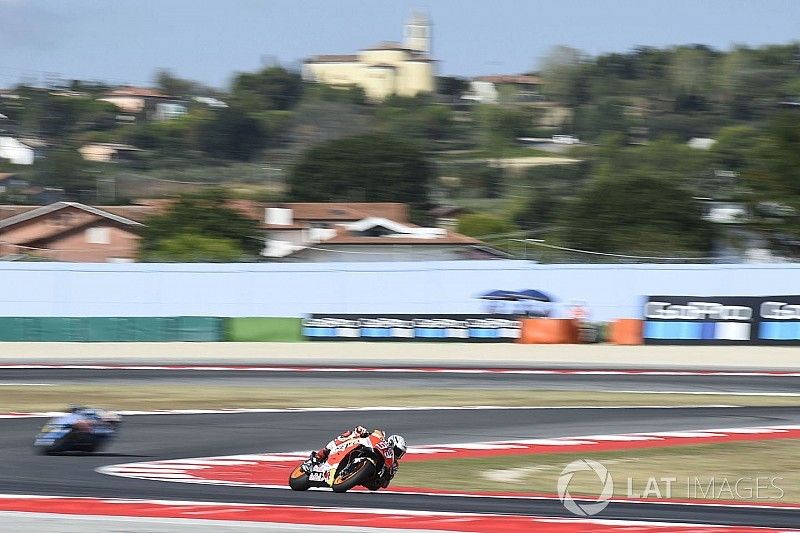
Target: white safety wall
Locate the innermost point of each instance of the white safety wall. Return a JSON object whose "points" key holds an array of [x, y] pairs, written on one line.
{"points": [[611, 291]]}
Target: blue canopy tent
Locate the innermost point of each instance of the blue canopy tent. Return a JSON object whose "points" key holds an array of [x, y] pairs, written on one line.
{"points": [[506, 296], [525, 299], [533, 294]]}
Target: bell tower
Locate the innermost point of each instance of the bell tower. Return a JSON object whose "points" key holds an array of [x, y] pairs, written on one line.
{"points": [[417, 35]]}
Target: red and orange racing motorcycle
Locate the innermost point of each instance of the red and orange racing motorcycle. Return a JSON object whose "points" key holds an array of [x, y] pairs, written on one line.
{"points": [[354, 461]]}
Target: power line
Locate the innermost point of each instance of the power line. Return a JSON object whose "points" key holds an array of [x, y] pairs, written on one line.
{"points": [[621, 256]]}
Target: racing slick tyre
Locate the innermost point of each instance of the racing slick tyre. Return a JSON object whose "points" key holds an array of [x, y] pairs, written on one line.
{"points": [[59, 446], [92, 447], [298, 480], [352, 475]]}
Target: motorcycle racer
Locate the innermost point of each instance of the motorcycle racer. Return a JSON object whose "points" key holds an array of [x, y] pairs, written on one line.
{"points": [[396, 442], [81, 429], [91, 419]]}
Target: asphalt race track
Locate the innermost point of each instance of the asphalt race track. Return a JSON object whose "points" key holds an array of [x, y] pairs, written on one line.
{"points": [[377, 380], [181, 436]]}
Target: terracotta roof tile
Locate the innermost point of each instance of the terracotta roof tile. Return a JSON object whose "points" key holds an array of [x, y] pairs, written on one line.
{"points": [[139, 213], [297, 226], [7, 211]]}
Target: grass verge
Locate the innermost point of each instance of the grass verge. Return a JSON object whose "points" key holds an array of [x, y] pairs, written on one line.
{"points": [[183, 396], [766, 471]]}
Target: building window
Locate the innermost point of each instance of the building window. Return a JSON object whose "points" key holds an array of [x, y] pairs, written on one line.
{"points": [[98, 236]]}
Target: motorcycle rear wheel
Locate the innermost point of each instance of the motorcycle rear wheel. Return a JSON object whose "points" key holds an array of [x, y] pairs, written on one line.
{"points": [[298, 480], [360, 476]]}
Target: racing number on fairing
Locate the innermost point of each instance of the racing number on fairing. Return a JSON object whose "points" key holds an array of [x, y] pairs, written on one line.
{"points": [[386, 449]]}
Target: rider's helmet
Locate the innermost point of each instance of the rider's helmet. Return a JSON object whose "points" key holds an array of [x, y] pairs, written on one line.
{"points": [[398, 445]]}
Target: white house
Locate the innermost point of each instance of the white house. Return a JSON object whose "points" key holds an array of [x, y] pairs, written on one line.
{"points": [[330, 232], [20, 151], [169, 110], [483, 92]]}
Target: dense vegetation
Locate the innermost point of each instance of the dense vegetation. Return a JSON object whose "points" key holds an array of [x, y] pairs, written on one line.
{"points": [[200, 227], [634, 189], [366, 168]]}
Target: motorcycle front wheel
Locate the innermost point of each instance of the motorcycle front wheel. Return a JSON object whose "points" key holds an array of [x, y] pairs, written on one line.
{"points": [[354, 474], [61, 445]]}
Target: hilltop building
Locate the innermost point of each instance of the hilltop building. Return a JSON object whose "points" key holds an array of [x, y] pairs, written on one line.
{"points": [[406, 68]]}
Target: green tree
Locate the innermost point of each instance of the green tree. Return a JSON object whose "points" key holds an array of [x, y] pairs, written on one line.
{"points": [[65, 168], [418, 123], [734, 147], [172, 85], [202, 215], [347, 94], [608, 116], [499, 126], [781, 151], [231, 134], [60, 116], [690, 79], [179, 137], [564, 75], [539, 209], [365, 168], [483, 225], [270, 88], [451, 86], [635, 213], [192, 247]]}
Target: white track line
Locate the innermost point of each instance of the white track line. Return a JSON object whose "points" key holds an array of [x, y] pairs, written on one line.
{"points": [[50, 414], [410, 370], [703, 393], [27, 384], [382, 511]]}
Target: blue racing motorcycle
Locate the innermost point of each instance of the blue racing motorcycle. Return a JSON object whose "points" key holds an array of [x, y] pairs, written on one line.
{"points": [[80, 430]]}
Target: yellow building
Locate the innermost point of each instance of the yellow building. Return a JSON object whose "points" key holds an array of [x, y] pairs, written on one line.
{"points": [[389, 68]]}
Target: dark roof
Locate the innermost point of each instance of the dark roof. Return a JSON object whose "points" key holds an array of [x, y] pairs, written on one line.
{"points": [[448, 210], [345, 211], [136, 91], [23, 216], [332, 58], [345, 237], [519, 79]]}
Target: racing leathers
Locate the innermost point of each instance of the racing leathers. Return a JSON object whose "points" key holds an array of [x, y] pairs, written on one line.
{"points": [[92, 420]]}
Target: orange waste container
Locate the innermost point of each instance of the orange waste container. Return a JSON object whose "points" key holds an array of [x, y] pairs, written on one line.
{"points": [[626, 331], [549, 331]]}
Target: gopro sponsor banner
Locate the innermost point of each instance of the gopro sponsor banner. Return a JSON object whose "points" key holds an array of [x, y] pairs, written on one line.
{"points": [[722, 320], [458, 328]]}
